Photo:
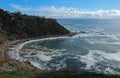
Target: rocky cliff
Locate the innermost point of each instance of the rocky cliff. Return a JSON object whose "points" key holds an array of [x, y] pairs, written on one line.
{"points": [[18, 26]]}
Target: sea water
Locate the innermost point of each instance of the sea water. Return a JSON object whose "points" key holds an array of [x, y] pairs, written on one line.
{"points": [[95, 50]]}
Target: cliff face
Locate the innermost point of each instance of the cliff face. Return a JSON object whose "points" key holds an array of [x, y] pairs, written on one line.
{"points": [[18, 26], [15, 26]]}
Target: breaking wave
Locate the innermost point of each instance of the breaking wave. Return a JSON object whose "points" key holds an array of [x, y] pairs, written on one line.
{"points": [[94, 60]]}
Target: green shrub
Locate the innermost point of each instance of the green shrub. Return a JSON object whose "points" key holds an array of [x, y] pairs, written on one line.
{"points": [[75, 75], [17, 74], [58, 74], [1, 41], [18, 25]]}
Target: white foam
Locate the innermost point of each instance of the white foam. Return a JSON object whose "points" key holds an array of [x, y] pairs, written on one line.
{"points": [[113, 36], [51, 38], [44, 54], [38, 65], [96, 56], [45, 59], [103, 41], [108, 70], [15, 54], [60, 65], [111, 56], [88, 59], [93, 37], [97, 30], [85, 35]]}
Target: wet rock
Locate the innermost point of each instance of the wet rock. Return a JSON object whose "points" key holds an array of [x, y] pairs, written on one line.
{"points": [[34, 53], [83, 32]]}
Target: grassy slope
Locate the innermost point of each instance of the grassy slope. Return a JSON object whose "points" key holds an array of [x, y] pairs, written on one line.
{"points": [[55, 75]]}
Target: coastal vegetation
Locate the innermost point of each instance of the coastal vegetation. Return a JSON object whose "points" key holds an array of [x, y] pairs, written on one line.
{"points": [[18, 26], [59, 74]]}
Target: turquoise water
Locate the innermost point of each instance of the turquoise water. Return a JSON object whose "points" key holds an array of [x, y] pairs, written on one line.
{"points": [[97, 50]]}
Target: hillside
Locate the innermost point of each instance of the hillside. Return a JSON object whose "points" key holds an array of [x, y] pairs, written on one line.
{"points": [[17, 25]]}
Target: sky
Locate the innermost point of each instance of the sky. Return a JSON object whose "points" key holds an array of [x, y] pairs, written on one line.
{"points": [[65, 8]]}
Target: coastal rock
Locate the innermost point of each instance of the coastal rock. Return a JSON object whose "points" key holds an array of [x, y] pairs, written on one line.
{"points": [[83, 32], [13, 65]]}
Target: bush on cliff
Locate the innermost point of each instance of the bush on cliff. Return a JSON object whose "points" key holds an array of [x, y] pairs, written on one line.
{"points": [[1, 41], [17, 25], [62, 74]]}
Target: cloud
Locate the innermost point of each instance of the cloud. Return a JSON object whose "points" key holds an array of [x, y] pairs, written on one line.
{"points": [[64, 12], [20, 8]]}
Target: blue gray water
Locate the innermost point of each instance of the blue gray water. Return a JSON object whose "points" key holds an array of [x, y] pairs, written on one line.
{"points": [[97, 50]]}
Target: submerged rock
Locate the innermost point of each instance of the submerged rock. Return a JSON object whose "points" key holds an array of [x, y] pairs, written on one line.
{"points": [[83, 32]]}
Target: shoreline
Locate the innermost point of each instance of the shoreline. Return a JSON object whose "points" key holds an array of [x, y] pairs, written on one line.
{"points": [[14, 43]]}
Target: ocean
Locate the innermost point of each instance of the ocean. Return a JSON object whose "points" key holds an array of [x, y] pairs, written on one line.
{"points": [[96, 48]]}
